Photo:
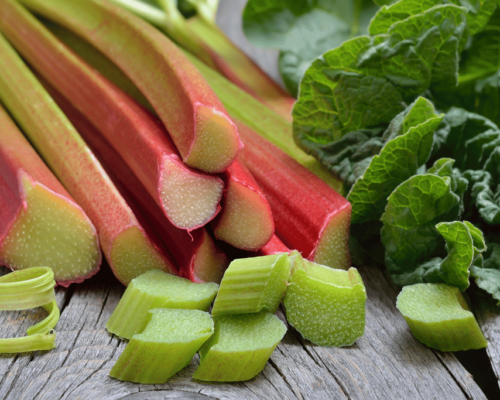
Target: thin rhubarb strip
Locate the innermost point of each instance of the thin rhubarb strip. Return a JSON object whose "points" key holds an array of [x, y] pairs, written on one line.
{"points": [[195, 253], [308, 214], [40, 223], [246, 221], [127, 248], [189, 198], [196, 120]]}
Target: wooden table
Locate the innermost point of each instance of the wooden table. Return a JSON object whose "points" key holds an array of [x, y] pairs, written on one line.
{"points": [[386, 363]]}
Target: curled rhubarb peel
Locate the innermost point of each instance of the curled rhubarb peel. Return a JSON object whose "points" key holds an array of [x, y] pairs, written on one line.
{"points": [[195, 254], [198, 124], [246, 221], [25, 289], [188, 197], [127, 248], [40, 223]]}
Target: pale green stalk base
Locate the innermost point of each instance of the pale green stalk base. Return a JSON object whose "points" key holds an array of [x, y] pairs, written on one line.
{"points": [[253, 284], [325, 305], [240, 347], [157, 289], [439, 317], [167, 345]]}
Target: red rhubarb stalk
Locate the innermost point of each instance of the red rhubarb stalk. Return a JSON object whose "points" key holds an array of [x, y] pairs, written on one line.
{"points": [[246, 221], [40, 224], [274, 246], [196, 120], [127, 248], [195, 253], [309, 215], [189, 198]]}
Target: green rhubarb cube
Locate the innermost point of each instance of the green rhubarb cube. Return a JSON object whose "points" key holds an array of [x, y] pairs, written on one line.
{"points": [[157, 289], [240, 347], [325, 305], [252, 285], [439, 317], [168, 343]]}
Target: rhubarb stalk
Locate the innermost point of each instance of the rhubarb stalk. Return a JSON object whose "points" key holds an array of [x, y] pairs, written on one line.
{"points": [[308, 214], [189, 198], [196, 120], [40, 224], [195, 253], [127, 248]]}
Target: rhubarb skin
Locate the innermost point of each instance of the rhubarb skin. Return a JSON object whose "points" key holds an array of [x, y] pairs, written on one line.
{"points": [[125, 244], [308, 214], [246, 221], [195, 254], [203, 133], [40, 224], [189, 198]]}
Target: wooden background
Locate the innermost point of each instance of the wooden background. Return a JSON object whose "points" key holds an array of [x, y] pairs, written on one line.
{"points": [[386, 363]]}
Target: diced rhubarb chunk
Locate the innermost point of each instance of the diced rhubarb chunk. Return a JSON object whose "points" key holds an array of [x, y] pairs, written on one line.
{"points": [[157, 289]]}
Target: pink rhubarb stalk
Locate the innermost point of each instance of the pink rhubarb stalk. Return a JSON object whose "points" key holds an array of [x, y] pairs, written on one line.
{"points": [[308, 214], [40, 224], [246, 221], [195, 253], [274, 246], [193, 115], [125, 244], [189, 198]]}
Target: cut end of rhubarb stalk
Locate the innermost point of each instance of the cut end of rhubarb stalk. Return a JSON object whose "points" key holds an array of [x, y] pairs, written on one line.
{"points": [[54, 232], [133, 254], [339, 297], [246, 222], [190, 199], [439, 317], [332, 249], [216, 142], [253, 284], [167, 345], [240, 347], [209, 262], [156, 289]]}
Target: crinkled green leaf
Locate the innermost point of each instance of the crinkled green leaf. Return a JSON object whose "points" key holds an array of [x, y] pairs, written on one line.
{"points": [[398, 161], [479, 13], [487, 273], [304, 29], [363, 83], [487, 96]]}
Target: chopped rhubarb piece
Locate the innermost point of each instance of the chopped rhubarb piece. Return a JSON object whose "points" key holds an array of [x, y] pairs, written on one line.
{"points": [[253, 284], [40, 224], [157, 289], [240, 347], [195, 253], [327, 306], [439, 317], [308, 214], [166, 346], [245, 221], [199, 126], [188, 197], [127, 248], [274, 246]]}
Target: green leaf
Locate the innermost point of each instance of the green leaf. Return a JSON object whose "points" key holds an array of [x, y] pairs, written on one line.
{"points": [[363, 83], [487, 273], [479, 13], [486, 197], [304, 29], [487, 96]]}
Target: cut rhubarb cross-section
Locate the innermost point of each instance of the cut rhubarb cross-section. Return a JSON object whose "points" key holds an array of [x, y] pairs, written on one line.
{"points": [[188, 197], [308, 214], [40, 224], [203, 133], [127, 247]]}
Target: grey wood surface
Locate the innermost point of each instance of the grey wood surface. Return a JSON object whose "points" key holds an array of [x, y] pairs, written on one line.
{"points": [[386, 363]]}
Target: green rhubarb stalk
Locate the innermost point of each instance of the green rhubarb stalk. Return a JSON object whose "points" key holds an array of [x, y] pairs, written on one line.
{"points": [[197, 122], [253, 284], [156, 289], [127, 247], [166, 345]]}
